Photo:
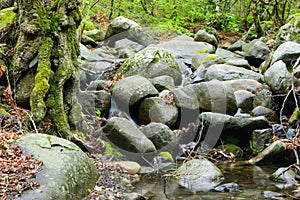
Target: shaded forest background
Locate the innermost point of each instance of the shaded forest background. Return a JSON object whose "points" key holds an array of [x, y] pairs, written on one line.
{"points": [[187, 17]]}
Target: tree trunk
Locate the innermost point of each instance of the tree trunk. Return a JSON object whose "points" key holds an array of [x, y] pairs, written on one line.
{"points": [[256, 20], [48, 35]]}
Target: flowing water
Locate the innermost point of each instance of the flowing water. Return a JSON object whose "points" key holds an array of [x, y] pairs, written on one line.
{"points": [[253, 182]]}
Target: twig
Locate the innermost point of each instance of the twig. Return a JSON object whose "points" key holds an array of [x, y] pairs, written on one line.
{"points": [[151, 165], [297, 156], [34, 126], [291, 90]]}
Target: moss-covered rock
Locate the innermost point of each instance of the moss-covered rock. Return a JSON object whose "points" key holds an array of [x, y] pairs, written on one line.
{"points": [[152, 62], [67, 172], [199, 175]]}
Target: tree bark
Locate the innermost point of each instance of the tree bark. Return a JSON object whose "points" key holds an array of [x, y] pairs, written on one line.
{"points": [[256, 20], [48, 34]]}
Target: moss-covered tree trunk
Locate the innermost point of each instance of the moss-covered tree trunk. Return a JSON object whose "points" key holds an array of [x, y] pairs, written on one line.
{"points": [[48, 45]]}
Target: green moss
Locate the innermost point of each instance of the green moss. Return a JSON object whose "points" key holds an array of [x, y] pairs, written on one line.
{"points": [[254, 151], [167, 156], [204, 50], [109, 150], [37, 104], [209, 57], [295, 117], [7, 16], [3, 111]]}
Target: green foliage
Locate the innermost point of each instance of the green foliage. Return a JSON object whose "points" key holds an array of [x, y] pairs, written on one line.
{"points": [[3, 49], [7, 16], [109, 150], [187, 17], [98, 113], [166, 155]]}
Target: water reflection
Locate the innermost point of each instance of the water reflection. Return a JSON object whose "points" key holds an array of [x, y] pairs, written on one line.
{"points": [[253, 182]]}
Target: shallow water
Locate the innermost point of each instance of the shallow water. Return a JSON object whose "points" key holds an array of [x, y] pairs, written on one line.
{"points": [[253, 181]]}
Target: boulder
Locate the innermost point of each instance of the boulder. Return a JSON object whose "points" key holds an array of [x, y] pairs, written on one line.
{"points": [[67, 172], [278, 77], [244, 84], [127, 48], [206, 60], [290, 31], [185, 50], [284, 175], [262, 94], [225, 72], [96, 85], [215, 96], [160, 134], [259, 139], [126, 136], [199, 175], [92, 101], [87, 54], [93, 70], [130, 166], [163, 83], [121, 28], [288, 52], [204, 36], [227, 55], [271, 154], [267, 112], [237, 46], [244, 100], [238, 62], [186, 97], [152, 62], [256, 52], [132, 89], [155, 109], [217, 125]]}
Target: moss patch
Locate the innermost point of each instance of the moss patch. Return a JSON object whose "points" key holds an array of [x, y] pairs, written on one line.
{"points": [[37, 104], [7, 16]]}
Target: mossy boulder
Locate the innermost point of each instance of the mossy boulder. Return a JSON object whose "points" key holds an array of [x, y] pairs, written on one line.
{"points": [[199, 175], [160, 134], [67, 172], [152, 62], [206, 60], [126, 136]]}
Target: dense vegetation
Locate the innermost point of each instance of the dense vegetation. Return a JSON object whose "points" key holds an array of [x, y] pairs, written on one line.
{"points": [[188, 16]]}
